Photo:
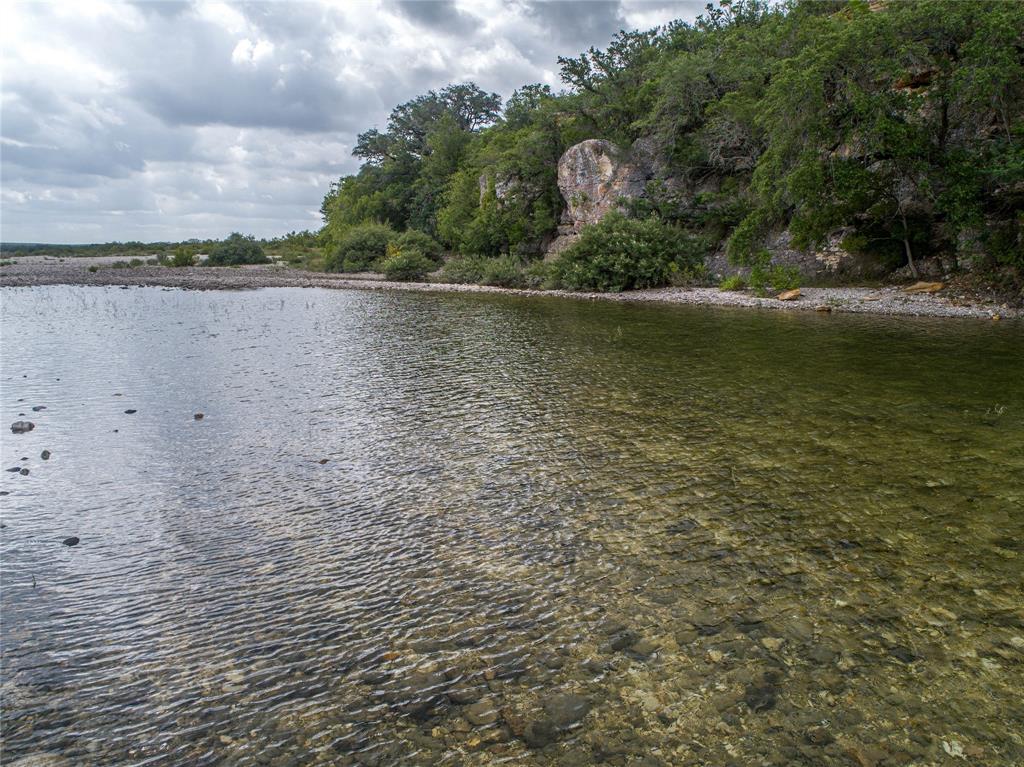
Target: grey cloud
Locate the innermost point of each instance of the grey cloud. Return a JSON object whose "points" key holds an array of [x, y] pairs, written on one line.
{"points": [[135, 122], [442, 16], [577, 24]]}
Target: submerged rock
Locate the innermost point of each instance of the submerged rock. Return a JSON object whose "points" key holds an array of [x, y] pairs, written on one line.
{"points": [[71, 541], [902, 654], [566, 709], [465, 693], [539, 733], [130, 411], [643, 649], [761, 696], [22, 427], [198, 417], [418, 692], [45, 455], [37, 408], [481, 713]]}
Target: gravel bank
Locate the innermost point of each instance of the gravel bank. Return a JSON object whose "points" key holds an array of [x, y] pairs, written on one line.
{"points": [[887, 300]]}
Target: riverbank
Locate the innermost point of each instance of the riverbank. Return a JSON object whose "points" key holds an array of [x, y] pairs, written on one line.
{"points": [[888, 300]]}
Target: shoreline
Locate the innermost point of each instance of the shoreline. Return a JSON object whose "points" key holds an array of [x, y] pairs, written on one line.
{"points": [[37, 271]]}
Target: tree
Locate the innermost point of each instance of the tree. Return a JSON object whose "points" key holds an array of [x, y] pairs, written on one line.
{"points": [[237, 249]]}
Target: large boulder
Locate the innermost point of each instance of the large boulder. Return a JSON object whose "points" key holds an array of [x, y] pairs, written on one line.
{"points": [[596, 176], [593, 177]]}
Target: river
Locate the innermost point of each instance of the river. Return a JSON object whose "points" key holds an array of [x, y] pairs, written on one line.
{"points": [[417, 529]]}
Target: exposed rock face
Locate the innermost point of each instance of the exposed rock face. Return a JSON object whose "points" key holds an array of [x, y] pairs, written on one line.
{"points": [[594, 177], [829, 260], [597, 176], [502, 186]]}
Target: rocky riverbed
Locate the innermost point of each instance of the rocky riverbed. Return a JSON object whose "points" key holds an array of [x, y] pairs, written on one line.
{"points": [[888, 300], [411, 530]]}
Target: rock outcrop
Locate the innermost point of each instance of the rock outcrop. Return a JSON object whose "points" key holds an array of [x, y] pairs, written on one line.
{"points": [[595, 177]]}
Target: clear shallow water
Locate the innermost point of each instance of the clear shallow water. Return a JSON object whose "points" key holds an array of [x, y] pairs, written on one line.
{"points": [[547, 533]]}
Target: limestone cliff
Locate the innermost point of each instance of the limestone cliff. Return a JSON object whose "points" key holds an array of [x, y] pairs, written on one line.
{"points": [[597, 176]]}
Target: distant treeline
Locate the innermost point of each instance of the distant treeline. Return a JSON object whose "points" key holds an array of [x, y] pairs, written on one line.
{"points": [[290, 247]]}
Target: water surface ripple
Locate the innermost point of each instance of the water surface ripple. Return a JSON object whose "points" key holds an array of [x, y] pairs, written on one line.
{"points": [[417, 529]]}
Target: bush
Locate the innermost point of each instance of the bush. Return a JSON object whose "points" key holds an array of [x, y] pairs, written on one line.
{"points": [[423, 242], [406, 265], [733, 282], [464, 270], [503, 272], [359, 247], [619, 253], [236, 249], [536, 275], [778, 278], [183, 257]]}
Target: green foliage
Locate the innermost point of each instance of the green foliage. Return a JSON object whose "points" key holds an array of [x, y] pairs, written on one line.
{"points": [[619, 253], [406, 264], [421, 241], [464, 270], [733, 282], [360, 247], [236, 250], [774, 276], [902, 122], [537, 275], [500, 271], [183, 256], [503, 272]]}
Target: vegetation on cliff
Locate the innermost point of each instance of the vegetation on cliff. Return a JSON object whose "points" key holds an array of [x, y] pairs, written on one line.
{"points": [[900, 123]]}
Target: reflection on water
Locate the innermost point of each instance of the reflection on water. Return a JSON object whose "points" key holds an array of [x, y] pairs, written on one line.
{"points": [[469, 530]]}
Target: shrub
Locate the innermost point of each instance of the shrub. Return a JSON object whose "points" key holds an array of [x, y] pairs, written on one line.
{"points": [[778, 278], [237, 249], [503, 272], [359, 247], [423, 242], [183, 257], [94, 268], [733, 282], [132, 263], [619, 253], [537, 274], [464, 270], [406, 265], [119, 265]]}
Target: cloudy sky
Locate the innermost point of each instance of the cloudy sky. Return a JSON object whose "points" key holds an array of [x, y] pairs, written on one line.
{"points": [[168, 120]]}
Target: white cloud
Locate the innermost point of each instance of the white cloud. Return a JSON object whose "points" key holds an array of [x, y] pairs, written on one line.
{"points": [[251, 53], [176, 120]]}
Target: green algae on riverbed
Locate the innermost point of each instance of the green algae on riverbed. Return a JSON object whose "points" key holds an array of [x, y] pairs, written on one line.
{"points": [[548, 533]]}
